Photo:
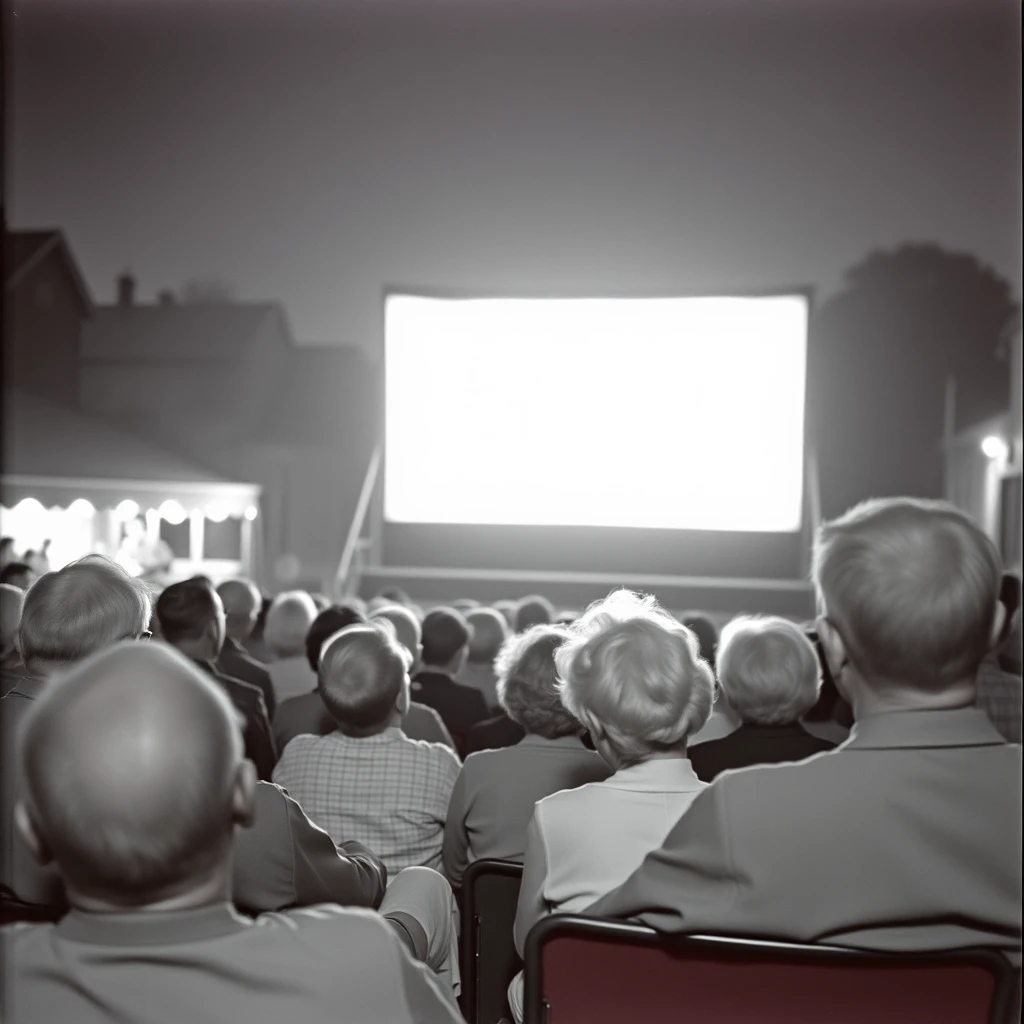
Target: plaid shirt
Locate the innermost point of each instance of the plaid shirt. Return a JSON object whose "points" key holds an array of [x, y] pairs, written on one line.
{"points": [[386, 791], [999, 696]]}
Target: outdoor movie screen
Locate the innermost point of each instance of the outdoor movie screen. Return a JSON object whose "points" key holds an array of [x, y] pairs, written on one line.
{"points": [[670, 413]]}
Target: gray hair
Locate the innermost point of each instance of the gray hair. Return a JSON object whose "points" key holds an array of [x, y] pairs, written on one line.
{"points": [[768, 670], [288, 621], [88, 605], [632, 669], [911, 586], [528, 687]]}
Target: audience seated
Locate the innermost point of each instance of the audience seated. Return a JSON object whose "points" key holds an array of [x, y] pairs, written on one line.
{"points": [[722, 720], [367, 780], [831, 718], [256, 645], [135, 785], [907, 836], [488, 632], [535, 610], [307, 714], [288, 621], [495, 793], [320, 601], [284, 860], [446, 637], [84, 607], [407, 629], [506, 608], [17, 574], [191, 619], [998, 690], [241, 599], [769, 676], [465, 604], [394, 595], [634, 677], [11, 666]]}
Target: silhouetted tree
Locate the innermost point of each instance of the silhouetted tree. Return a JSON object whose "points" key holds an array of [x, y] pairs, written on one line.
{"points": [[205, 290], [881, 352]]}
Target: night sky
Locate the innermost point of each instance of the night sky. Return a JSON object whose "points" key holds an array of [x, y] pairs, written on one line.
{"points": [[314, 152]]}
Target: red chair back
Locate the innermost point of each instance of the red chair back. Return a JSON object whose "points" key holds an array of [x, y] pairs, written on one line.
{"points": [[490, 893], [590, 971]]}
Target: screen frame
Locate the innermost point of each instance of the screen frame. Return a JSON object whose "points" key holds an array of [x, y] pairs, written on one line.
{"points": [[515, 540]]}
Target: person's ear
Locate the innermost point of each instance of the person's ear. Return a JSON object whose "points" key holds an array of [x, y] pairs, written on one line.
{"points": [[834, 647], [998, 635], [243, 794], [403, 700], [33, 838]]}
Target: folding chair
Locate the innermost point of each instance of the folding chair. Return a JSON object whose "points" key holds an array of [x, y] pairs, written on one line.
{"points": [[583, 970], [490, 892]]}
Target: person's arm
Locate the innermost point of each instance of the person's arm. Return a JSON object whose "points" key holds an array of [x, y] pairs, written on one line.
{"points": [[284, 860], [531, 906], [455, 849], [690, 882]]}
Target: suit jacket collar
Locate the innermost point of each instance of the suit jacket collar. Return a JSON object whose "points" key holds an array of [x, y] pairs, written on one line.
{"points": [[963, 727]]}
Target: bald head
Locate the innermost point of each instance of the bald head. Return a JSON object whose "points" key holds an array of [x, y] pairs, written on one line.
{"points": [[407, 627], [11, 601], [132, 763], [242, 602]]}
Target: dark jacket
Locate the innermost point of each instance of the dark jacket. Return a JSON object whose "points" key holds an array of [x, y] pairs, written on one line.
{"points": [[755, 744], [493, 734], [460, 707], [259, 742], [236, 662]]}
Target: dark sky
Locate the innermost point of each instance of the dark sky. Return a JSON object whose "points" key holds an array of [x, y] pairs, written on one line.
{"points": [[315, 152]]}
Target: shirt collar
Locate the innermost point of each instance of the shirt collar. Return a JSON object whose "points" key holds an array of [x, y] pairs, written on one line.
{"points": [[670, 774], [962, 727], [389, 735], [152, 929]]}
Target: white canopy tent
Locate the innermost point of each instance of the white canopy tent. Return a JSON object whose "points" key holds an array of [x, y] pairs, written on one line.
{"points": [[77, 481]]}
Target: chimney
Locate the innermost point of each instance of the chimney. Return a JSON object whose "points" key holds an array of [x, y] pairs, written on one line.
{"points": [[166, 297], [126, 289]]}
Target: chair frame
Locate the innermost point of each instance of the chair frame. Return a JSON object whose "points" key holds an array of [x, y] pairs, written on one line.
{"points": [[535, 1007], [470, 954]]}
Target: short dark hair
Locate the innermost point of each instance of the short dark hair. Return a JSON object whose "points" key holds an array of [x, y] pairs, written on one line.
{"points": [[185, 609], [707, 636], [12, 569], [533, 611], [361, 676], [325, 625], [445, 633]]}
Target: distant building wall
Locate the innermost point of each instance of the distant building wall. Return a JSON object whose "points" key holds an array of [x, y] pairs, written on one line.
{"points": [[42, 332]]}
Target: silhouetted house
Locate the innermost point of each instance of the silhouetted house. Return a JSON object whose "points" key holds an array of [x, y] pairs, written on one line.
{"points": [[225, 384], [46, 302], [196, 376]]}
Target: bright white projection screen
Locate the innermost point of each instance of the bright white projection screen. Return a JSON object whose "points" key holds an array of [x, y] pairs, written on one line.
{"points": [[667, 413]]}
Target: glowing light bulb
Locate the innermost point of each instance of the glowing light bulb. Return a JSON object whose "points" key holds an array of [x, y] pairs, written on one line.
{"points": [[81, 507], [127, 509], [251, 513], [217, 512], [173, 512], [994, 447]]}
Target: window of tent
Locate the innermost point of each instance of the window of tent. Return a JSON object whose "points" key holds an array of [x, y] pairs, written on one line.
{"points": [[177, 537]]}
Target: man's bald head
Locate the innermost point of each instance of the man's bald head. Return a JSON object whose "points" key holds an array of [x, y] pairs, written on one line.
{"points": [[132, 763], [242, 601]]}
